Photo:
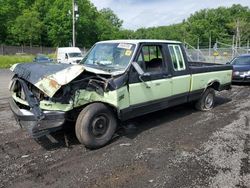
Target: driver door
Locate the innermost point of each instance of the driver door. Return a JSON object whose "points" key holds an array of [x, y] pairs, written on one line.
{"points": [[150, 92]]}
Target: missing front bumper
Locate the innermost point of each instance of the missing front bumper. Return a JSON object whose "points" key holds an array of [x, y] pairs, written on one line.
{"points": [[53, 120]]}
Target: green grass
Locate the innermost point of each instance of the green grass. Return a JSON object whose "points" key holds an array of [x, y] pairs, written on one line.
{"points": [[6, 61], [52, 56]]}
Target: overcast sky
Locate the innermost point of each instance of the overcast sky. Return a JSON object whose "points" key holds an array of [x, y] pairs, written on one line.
{"points": [[149, 13]]}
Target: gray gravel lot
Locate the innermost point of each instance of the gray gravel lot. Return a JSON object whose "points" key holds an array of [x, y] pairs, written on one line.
{"points": [[177, 147]]}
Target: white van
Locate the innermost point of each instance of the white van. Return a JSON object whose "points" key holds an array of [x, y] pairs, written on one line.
{"points": [[69, 55]]}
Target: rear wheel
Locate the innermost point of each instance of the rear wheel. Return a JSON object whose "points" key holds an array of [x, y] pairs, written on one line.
{"points": [[206, 102], [95, 125]]}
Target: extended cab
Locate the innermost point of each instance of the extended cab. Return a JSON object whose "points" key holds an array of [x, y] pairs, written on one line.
{"points": [[116, 81]]}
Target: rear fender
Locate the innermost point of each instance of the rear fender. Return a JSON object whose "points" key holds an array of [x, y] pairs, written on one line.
{"points": [[214, 84]]}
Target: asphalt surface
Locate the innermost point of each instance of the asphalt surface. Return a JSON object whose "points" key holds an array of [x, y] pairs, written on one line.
{"points": [[177, 147]]}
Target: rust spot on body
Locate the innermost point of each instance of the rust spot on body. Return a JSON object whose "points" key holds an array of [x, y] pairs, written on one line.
{"points": [[53, 84]]}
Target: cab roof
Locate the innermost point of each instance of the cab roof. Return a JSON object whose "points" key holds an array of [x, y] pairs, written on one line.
{"points": [[137, 41]]}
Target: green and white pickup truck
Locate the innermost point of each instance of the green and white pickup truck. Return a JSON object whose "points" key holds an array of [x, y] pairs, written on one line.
{"points": [[116, 81]]}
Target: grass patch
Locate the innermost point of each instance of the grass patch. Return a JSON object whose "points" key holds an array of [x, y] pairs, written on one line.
{"points": [[7, 61], [52, 56]]}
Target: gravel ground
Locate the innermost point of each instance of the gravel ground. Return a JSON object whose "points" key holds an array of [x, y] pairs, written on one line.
{"points": [[177, 147]]}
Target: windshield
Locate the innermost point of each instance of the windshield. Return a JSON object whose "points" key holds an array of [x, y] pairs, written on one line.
{"points": [[244, 60], [75, 54], [109, 56]]}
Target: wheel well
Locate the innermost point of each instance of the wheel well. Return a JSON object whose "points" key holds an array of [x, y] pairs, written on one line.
{"points": [[215, 85], [77, 110], [113, 108]]}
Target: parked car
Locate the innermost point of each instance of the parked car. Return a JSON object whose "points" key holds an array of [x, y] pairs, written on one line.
{"points": [[40, 58], [241, 68], [117, 80], [69, 55]]}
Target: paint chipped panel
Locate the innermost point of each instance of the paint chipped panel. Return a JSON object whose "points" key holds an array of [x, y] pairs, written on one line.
{"points": [[66, 75], [52, 83], [47, 77]]}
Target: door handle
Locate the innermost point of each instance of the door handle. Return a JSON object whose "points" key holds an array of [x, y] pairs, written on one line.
{"points": [[157, 84]]}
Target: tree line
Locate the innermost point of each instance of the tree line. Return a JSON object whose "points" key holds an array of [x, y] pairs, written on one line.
{"points": [[49, 23]]}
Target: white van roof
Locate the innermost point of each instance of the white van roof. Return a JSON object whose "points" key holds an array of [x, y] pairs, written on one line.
{"points": [[68, 49]]}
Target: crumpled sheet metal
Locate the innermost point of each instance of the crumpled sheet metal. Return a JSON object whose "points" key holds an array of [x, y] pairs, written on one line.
{"points": [[52, 83], [47, 77]]}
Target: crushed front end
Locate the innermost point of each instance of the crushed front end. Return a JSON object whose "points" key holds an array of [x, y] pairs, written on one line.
{"points": [[38, 100], [26, 105], [45, 96]]}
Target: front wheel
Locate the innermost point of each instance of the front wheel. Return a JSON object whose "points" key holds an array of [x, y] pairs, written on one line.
{"points": [[206, 102], [95, 125]]}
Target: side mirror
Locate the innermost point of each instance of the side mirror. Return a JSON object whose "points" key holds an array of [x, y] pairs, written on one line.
{"points": [[137, 68], [141, 73]]}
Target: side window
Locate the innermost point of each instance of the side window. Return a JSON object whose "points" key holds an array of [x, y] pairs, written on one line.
{"points": [[151, 58], [177, 57]]}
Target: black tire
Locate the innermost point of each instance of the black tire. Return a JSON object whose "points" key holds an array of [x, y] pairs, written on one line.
{"points": [[206, 102], [95, 125]]}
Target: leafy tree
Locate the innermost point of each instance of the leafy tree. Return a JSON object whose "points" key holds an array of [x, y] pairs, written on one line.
{"points": [[27, 27], [108, 24], [126, 34], [58, 23], [86, 25], [49, 23], [220, 23], [43, 7], [9, 10], [111, 17]]}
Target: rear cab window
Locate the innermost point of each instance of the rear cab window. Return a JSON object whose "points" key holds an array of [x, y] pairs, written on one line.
{"points": [[177, 58]]}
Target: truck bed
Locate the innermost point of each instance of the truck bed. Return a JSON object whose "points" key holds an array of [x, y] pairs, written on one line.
{"points": [[201, 67]]}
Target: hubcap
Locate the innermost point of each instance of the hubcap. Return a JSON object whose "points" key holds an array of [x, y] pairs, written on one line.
{"points": [[99, 126], [209, 101]]}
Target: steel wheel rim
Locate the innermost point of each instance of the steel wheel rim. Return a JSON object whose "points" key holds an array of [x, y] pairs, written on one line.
{"points": [[209, 101], [99, 126]]}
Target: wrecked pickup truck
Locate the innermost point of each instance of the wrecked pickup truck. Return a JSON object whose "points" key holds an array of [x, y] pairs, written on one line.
{"points": [[116, 81]]}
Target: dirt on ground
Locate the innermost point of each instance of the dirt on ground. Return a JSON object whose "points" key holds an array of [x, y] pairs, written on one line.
{"points": [[176, 147]]}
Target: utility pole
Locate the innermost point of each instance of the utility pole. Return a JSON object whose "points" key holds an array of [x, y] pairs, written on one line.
{"points": [[73, 21], [210, 40], [248, 46], [198, 49], [237, 40], [233, 46]]}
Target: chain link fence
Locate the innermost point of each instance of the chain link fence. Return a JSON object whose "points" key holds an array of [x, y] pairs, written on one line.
{"points": [[218, 55], [22, 50], [13, 50]]}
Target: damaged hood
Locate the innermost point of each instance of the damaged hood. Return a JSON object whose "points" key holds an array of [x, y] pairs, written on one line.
{"points": [[47, 77]]}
